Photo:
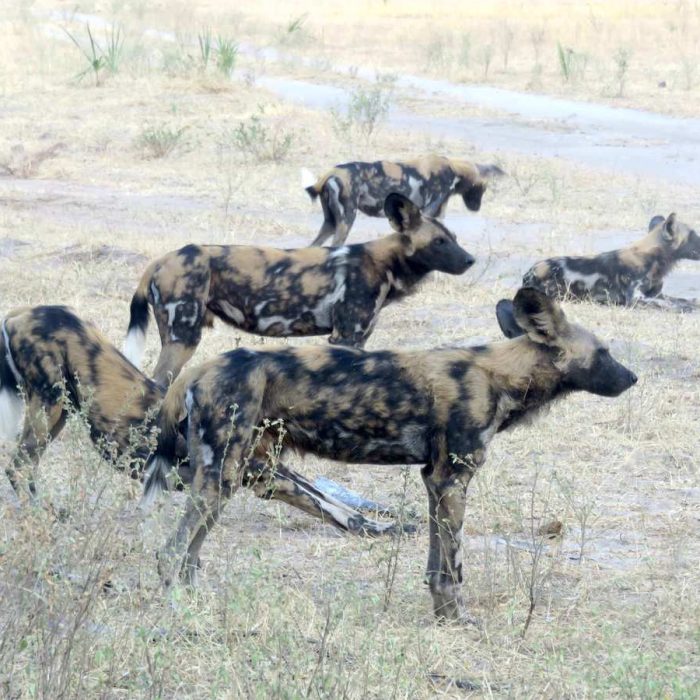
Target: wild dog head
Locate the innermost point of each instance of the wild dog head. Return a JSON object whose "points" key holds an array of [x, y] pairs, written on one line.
{"points": [[428, 244], [676, 237], [472, 181], [584, 361]]}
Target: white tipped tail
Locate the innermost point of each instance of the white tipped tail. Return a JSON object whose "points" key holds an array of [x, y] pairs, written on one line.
{"points": [[10, 414], [134, 346], [308, 179], [156, 480]]}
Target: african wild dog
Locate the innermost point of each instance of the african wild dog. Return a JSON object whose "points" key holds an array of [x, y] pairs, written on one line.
{"points": [[629, 276], [274, 292], [439, 408], [428, 181], [53, 360]]}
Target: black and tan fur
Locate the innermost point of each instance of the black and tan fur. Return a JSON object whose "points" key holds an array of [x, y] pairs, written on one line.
{"points": [[630, 276], [272, 292], [428, 181], [439, 408], [56, 362]]}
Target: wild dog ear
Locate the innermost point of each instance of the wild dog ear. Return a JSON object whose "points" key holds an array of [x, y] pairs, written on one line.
{"points": [[505, 314], [669, 230], [402, 213], [655, 221], [472, 197], [539, 316]]}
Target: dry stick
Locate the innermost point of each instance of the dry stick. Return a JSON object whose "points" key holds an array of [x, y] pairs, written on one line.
{"points": [[321, 651], [393, 563]]}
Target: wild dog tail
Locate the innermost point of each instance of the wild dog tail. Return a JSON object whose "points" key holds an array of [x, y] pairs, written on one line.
{"points": [[135, 341], [10, 399], [310, 183], [490, 170], [160, 466]]}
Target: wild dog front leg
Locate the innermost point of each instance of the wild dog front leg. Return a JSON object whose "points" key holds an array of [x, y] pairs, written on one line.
{"points": [[447, 488], [41, 425], [288, 486], [173, 357], [180, 555]]}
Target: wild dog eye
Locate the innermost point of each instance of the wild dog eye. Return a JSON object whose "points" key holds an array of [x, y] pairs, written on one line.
{"points": [[439, 241]]}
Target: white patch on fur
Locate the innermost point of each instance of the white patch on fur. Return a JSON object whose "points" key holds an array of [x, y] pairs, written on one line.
{"points": [[415, 195], [155, 293], [308, 179], [503, 409], [322, 312], [235, 314], [572, 277], [189, 400], [10, 414], [134, 345], [267, 322], [171, 308], [206, 455], [155, 488], [335, 189]]}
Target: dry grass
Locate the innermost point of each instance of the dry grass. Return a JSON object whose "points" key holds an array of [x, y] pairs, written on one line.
{"points": [[287, 607]]}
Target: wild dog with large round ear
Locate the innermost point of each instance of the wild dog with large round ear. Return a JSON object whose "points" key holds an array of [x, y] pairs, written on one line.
{"points": [[337, 292], [631, 276], [436, 408], [428, 181]]}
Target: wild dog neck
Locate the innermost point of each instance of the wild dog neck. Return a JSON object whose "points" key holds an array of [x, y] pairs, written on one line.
{"points": [[525, 377], [405, 272], [654, 256]]}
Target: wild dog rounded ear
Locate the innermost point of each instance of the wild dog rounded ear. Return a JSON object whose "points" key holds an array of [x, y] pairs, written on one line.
{"points": [[669, 227], [655, 221], [505, 315], [472, 197], [402, 213], [539, 316]]}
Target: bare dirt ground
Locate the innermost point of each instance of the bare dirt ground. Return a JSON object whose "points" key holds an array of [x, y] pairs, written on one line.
{"points": [[160, 146]]}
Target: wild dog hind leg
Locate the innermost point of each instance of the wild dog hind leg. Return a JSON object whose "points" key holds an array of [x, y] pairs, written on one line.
{"points": [[42, 423]]}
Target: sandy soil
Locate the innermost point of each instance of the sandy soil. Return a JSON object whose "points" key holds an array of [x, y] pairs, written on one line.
{"points": [[287, 607]]}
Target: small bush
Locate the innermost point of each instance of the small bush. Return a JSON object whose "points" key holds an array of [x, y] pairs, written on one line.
{"points": [[160, 141], [98, 58], [366, 110], [572, 64], [256, 140], [622, 63], [226, 53]]}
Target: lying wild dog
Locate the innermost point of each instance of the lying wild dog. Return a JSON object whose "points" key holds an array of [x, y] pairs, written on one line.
{"points": [[439, 408], [629, 276], [55, 361], [274, 292], [428, 181]]}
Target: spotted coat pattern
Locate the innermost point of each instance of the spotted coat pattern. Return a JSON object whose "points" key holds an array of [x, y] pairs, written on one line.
{"points": [[272, 292], [630, 276], [428, 181], [437, 408]]}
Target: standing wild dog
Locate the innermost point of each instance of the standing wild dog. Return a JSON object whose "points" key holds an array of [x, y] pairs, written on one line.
{"points": [[439, 408], [629, 276], [428, 182], [55, 361], [274, 292]]}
